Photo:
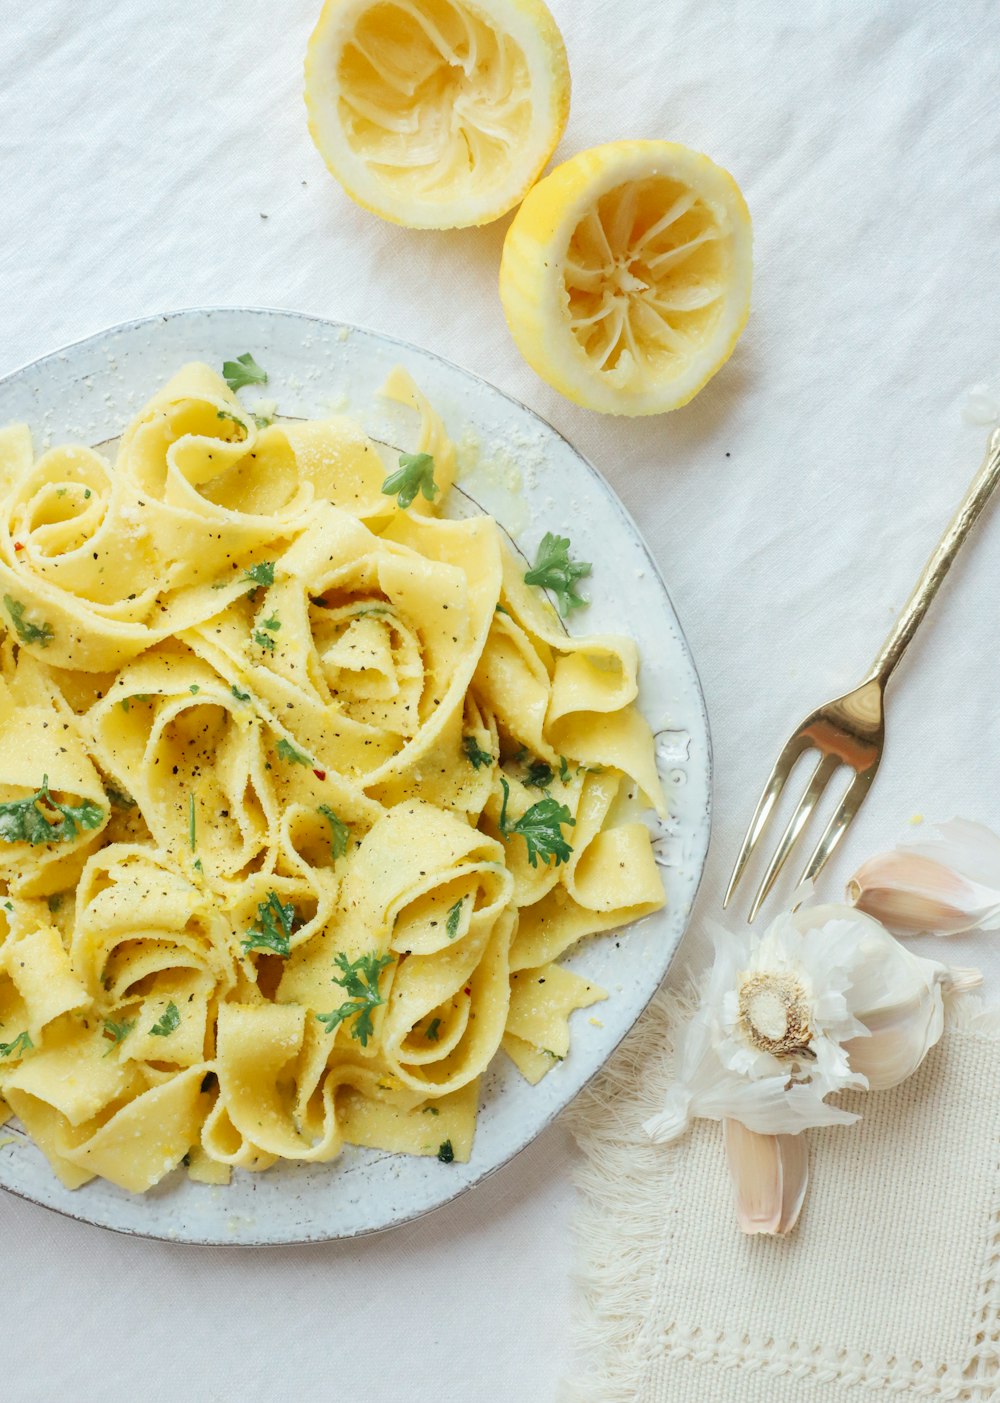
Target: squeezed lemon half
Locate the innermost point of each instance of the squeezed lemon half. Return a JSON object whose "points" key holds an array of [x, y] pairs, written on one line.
{"points": [[625, 276], [436, 113]]}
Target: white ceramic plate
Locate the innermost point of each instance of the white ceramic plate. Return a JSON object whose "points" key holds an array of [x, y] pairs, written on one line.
{"points": [[532, 481]]}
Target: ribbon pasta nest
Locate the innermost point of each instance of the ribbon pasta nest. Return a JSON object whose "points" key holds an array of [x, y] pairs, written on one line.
{"points": [[303, 793]]}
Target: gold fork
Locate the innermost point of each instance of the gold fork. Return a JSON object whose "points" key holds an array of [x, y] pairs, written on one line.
{"points": [[850, 730]]}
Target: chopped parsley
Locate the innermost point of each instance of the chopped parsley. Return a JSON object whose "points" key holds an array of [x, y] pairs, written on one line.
{"points": [[194, 689], [445, 1152], [360, 978], [234, 418], [117, 1032], [192, 823], [540, 827], [264, 640], [287, 751], [168, 1023], [564, 769], [263, 421], [454, 917], [339, 832], [273, 930], [244, 370], [431, 1031], [33, 820], [21, 1044], [240, 696], [431, 1111], [260, 574], [415, 474], [27, 631], [554, 570], [54, 901], [473, 754], [539, 775]]}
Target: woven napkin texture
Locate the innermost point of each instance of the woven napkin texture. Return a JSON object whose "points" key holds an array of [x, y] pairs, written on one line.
{"points": [[889, 1284]]}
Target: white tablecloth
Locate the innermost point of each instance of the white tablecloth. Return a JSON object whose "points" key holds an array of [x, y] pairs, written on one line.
{"points": [[156, 156]]}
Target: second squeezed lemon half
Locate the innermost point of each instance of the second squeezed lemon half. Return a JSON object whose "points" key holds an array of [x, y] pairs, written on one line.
{"points": [[436, 113], [626, 273]]}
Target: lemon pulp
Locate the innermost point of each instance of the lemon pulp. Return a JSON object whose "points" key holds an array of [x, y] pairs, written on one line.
{"points": [[436, 113], [625, 276]]}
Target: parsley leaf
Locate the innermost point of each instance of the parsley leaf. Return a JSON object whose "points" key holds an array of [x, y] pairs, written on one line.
{"points": [[27, 631], [431, 1031], [339, 832], [168, 1023], [264, 640], [540, 827], [454, 917], [273, 930], [473, 754], [415, 474], [539, 775], [287, 751], [554, 570], [360, 979], [260, 574], [21, 1044], [244, 370], [240, 696], [117, 1032], [445, 1152], [25, 821]]}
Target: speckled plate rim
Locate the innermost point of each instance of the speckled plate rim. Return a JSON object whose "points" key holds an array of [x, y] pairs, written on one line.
{"points": [[51, 1195]]}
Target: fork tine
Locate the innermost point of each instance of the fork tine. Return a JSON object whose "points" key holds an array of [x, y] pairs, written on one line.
{"points": [[840, 822], [827, 767], [775, 783]]}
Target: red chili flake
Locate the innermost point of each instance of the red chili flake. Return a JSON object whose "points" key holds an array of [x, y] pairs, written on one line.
{"points": [[320, 774], [19, 545], [469, 990]]}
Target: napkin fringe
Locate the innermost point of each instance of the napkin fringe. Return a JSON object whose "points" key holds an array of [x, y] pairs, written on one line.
{"points": [[618, 1257]]}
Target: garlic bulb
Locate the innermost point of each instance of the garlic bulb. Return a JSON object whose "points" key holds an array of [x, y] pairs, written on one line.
{"points": [[825, 1000], [946, 883], [896, 995], [765, 1046], [770, 1175]]}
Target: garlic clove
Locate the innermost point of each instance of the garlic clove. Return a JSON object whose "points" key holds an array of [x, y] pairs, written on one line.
{"points": [[900, 1037], [770, 1175], [896, 995], [910, 892]]}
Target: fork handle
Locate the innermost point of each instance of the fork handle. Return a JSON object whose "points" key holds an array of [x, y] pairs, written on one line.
{"points": [[980, 490]]}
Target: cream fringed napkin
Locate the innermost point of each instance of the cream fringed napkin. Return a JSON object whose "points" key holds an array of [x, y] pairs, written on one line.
{"points": [[890, 1283]]}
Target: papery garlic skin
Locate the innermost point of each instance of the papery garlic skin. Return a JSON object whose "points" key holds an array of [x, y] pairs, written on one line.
{"points": [[770, 1175], [945, 883], [726, 1069], [825, 1000], [897, 996]]}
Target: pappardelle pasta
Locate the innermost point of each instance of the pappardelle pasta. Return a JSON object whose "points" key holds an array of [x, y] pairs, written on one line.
{"points": [[304, 792]]}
